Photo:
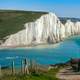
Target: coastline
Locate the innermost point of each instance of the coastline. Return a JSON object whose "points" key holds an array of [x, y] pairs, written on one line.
{"points": [[38, 46]]}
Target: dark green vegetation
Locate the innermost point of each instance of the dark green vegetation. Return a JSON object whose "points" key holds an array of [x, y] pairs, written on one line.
{"points": [[50, 75], [12, 21]]}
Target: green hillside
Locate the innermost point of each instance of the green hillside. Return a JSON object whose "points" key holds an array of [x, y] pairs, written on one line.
{"points": [[12, 21]]}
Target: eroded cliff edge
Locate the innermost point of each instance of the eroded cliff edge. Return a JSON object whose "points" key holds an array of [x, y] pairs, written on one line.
{"points": [[47, 29]]}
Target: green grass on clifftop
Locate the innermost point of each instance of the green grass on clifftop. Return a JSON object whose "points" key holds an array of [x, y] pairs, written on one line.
{"points": [[12, 21]]}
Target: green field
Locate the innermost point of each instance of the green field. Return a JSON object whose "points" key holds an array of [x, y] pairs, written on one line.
{"points": [[12, 21], [50, 75]]}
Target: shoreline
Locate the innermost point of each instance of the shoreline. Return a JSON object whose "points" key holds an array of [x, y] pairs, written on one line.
{"points": [[38, 46]]}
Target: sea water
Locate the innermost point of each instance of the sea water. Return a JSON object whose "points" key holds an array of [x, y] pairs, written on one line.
{"points": [[69, 48]]}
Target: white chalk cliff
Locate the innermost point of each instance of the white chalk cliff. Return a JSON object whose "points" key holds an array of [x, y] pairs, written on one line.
{"points": [[46, 29]]}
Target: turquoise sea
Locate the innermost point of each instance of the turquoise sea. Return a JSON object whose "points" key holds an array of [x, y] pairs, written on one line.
{"points": [[69, 48]]}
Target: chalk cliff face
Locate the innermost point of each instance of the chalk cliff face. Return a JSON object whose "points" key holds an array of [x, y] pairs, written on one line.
{"points": [[46, 29], [72, 28]]}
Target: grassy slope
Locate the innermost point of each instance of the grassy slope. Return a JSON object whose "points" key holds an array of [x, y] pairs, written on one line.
{"points": [[50, 75], [12, 21]]}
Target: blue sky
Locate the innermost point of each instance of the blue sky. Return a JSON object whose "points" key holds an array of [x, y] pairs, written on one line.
{"points": [[68, 8]]}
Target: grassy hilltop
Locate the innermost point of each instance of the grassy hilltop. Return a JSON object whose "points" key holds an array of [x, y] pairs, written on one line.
{"points": [[11, 21]]}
